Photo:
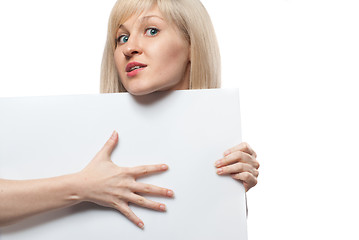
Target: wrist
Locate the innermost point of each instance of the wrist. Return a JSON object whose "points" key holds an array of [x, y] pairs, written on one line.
{"points": [[74, 189]]}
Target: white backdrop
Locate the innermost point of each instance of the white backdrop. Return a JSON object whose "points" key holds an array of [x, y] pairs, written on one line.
{"points": [[295, 62]]}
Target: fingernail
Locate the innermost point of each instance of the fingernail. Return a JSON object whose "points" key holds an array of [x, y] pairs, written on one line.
{"points": [[140, 225], [163, 207], [169, 193], [227, 152], [219, 170], [218, 163], [164, 167], [113, 136]]}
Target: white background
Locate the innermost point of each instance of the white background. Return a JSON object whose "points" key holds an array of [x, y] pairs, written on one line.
{"points": [[295, 63]]}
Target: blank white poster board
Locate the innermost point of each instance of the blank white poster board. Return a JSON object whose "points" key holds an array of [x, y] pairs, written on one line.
{"points": [[188, 130]]}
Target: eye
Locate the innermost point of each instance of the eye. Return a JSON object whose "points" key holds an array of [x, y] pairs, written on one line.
{"points": [[151, 31], [122, 39]]}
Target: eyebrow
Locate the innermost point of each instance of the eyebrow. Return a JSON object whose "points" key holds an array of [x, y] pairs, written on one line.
{"points": [[144, 19]]}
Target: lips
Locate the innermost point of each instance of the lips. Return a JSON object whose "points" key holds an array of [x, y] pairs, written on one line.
{"points": [[134, 66]]}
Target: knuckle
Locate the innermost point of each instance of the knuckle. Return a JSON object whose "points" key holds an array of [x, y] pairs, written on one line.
{"points": [[232, 157], [256, 173], [144, 171], [256, 164], [246, 176], [238, 155], [255, 181], [241, 167], [140, 201], [147, 189], [245, 146]]}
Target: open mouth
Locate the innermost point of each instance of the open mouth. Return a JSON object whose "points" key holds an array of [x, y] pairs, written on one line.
{"points": [[134, 66]]}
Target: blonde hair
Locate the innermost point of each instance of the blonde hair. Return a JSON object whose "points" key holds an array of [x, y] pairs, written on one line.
{"points": [[191, 18]]}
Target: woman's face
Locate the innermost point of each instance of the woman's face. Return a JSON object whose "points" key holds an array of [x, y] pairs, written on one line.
{"points": [[151, 54]]}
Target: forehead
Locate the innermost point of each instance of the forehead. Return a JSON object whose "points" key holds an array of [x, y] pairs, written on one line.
{"points": [[144, 16]]}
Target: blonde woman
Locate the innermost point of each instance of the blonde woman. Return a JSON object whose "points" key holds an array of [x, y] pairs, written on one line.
{"points": [[152, 45]]}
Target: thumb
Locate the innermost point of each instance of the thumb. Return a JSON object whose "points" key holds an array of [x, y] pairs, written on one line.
{"points": [[110, 144]]}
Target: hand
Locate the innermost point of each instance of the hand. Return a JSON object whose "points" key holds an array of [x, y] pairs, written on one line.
{"points": [[241, 163], [109, 185]]}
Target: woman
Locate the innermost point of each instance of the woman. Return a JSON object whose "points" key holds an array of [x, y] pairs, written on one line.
{"points": [[152, 45]]}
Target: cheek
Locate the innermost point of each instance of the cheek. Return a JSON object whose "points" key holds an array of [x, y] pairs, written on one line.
{"points": [[173, 60], [177, 53]]}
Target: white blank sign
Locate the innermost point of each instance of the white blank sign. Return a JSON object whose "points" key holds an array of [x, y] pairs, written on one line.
{"points": [[188, 130]]}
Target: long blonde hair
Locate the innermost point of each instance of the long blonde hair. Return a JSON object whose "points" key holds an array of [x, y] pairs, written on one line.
{"points": [[191, 18]]}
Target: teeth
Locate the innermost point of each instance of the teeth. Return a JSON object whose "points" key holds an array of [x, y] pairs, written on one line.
{"points": [[134, 68]]}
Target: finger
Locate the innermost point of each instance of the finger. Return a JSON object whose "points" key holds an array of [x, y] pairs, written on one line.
{"points": [[235, 157], [237, 168], [144, 170], [244, 147], [144, 202], [125, 210], [151, 189], [110, 144], [248, 179]]}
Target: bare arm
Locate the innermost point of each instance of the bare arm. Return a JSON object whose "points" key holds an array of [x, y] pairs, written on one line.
{"points": [[101, 182], [20, 199]]}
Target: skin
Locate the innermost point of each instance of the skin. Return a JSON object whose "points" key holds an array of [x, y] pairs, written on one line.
{"points": [[167, 56], [151, 40], [241, 163]]}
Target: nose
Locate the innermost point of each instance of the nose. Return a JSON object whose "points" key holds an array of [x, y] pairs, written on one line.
{"points": [[132, 47]]}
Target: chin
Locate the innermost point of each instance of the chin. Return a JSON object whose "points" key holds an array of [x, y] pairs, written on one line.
{"points": [[140, 90], [144, 87], [139, 93]]}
